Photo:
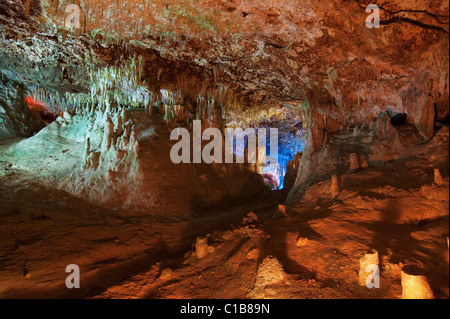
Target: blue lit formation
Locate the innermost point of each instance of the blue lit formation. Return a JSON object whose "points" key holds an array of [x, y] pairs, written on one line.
{"points": [[291, 141]]}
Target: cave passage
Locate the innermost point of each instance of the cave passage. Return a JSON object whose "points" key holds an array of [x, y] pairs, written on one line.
{"points": [[112, 114], [291, 141]]}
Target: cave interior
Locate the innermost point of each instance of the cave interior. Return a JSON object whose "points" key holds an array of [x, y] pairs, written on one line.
{"points": [[225, 149]]}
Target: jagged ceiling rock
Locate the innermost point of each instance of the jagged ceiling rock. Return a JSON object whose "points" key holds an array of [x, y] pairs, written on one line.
{"points": [[274, 51], [36, 56]]}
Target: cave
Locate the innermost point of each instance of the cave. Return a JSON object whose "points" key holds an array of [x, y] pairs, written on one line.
{"points": [[224, 149]]}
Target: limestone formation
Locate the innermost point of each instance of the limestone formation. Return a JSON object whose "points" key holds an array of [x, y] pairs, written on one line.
{"points": [[166, 274], [253, 254], [364, 164], [201, 247], [302, 241], [334, 186], [251, 217], [282, 210], [366, 266], [270, 271], [354, 165], [438, 177], [415, 286]]}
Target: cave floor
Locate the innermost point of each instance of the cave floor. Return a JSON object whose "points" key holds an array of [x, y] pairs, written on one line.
{"points": [[122, 253], [43, 230]]}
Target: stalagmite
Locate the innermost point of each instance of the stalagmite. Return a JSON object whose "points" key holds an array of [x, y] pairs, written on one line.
{"points": [[166, 274], [354, 162], [108, 130], [201, 247], [282, 210], [437, 177], [364, 164], [87, 147], [270, 271], [415, 286], [67, 116], [367, 263], [334, 186], [302, 241]]}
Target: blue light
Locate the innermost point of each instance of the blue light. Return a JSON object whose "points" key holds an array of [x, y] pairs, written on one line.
{"points": [[291, 141]]}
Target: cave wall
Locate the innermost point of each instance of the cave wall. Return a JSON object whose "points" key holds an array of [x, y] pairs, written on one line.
{"points": [[16, 120], [400, 68]]}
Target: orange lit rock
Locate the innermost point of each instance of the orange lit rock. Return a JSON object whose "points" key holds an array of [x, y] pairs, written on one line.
{"points": [[426, 122], [301, 241], [437, 177], [211, 249], [253, 254], [282, 210], [364, 164], [415, 286], [270, 271], [334, 186], [201, 247], [251, 217], [354, 165], [364, 266]]}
